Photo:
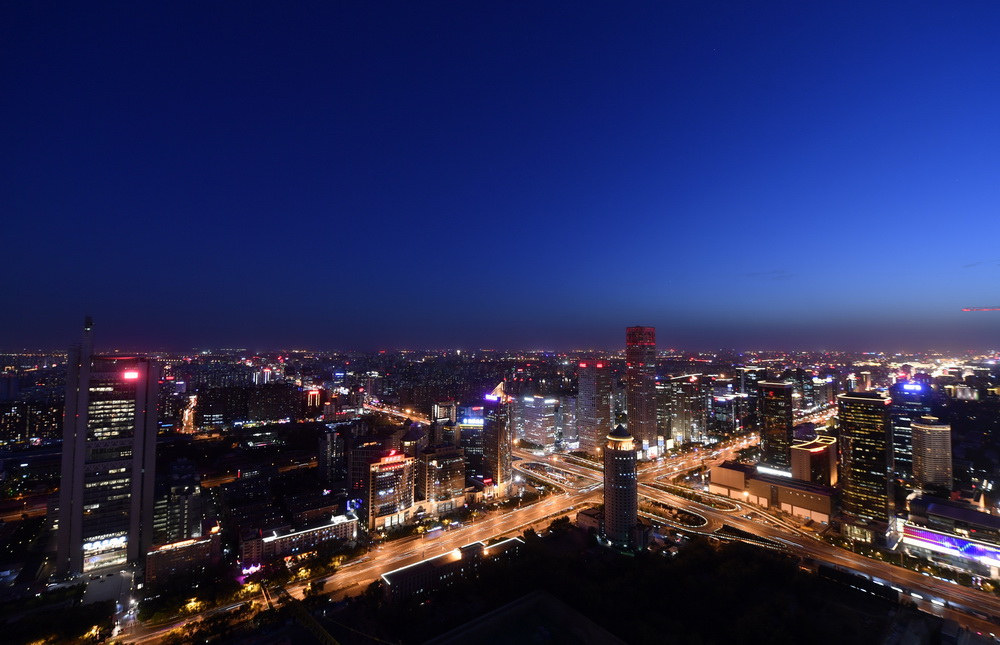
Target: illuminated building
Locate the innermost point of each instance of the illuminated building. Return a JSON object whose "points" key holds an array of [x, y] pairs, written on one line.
{"points": [[108, 461], [863, 419], [471, 440], [441, 478], [816, 461], [498, 441], [955, 534], [536, 420], [178, 511], [800, 498], [389, 495], [361, 454], [688, 408], [444, 412], [931, 452], [910, 401], [332, 451], [747, 378], [566, 423], [259, 547], [621, 490], [729, 415], [595, 404], [443, 570], [640, 386], [183, 557], [776, 415]]}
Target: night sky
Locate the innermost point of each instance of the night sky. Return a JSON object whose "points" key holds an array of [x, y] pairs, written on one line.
{"points": [[472, 174]]}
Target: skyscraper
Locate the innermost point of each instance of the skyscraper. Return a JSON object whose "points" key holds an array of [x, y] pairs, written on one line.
{"points": [[910, 401], [776, 416], [932, 453], [108, 460], [640, 385], [688, 408], [595, 403], [864, 419], [498, 440], [536, 420], [621, 492]]}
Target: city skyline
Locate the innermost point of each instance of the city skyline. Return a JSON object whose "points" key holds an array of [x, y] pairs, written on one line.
{"points": [[780, 176]]}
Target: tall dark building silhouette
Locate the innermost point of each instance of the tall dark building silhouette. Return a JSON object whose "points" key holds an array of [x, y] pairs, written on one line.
{"points": [[910, 401], [108, 460], [498, 441], [640, 385], [621, 492], [864, 449], [776, 414]]}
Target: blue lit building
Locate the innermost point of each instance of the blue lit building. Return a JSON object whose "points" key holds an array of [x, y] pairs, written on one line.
{"points": [[953, 534], [910, 401]]}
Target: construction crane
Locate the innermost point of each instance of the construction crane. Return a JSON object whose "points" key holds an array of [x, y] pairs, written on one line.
{"points": [[981, 309]]}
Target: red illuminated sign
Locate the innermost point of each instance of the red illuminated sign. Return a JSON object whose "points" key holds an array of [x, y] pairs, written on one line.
{"points": [[130, 375]]}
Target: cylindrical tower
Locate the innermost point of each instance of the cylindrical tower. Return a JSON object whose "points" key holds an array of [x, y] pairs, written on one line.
{"points": [[621, 492]]}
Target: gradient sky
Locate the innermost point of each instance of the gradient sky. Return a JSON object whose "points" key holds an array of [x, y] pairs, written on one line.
{"points": [[363, 175]]}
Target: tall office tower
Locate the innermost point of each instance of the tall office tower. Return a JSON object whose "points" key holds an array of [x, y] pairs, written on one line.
{"points": [[498, 441], [179, 508], [910, 401], [688, 408], [864, 448], [747, 378], [866, 381], [621, 489], [663, 415], [729, 415], [567, 433], [471, 442], [932, 452], [775, 412], [389, 492], [108, 460], [640, 385], [595, 404], [536, 420]]}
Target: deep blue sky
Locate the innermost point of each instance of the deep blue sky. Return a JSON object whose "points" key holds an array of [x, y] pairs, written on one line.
{"points": [[361, 175]]}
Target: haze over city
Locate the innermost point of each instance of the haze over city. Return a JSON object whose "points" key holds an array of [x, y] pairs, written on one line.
{"points": [[357, 177]]}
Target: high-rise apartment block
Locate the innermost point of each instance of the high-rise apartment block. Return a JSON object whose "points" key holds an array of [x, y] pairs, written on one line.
{"points": [[640, 385], [108, 460]]}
